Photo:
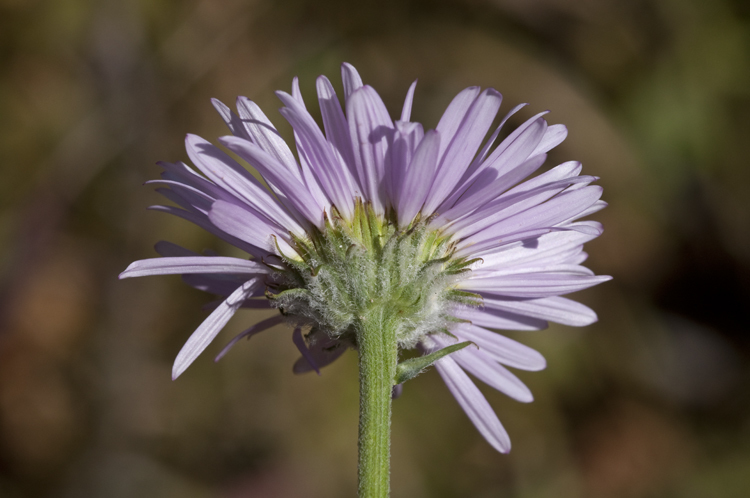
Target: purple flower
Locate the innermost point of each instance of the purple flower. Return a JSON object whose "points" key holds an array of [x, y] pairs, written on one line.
{"points": [[438, 224]]}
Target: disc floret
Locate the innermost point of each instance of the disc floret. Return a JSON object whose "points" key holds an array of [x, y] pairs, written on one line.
{"points": [[353, 268]]}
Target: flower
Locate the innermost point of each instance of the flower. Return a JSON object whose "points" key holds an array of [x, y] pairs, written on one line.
{"points": [[438, 226]]}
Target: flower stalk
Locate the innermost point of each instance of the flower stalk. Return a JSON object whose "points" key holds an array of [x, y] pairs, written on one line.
{"points": [[378, 356]]}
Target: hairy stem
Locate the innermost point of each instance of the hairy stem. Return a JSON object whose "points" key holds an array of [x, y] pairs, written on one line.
{"points": [[378, 351]]}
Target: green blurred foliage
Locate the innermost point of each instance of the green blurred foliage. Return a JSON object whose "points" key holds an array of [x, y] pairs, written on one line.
{"points": [[650, 402]]}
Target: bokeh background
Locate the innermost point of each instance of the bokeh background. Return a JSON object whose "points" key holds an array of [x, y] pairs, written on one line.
{"points": [[652, 401]]}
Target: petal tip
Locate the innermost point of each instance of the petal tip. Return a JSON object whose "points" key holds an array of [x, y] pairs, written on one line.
{"points": [[176, 373]]}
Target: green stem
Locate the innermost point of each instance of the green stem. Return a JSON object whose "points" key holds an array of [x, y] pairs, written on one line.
{"points": [[378, 356]]}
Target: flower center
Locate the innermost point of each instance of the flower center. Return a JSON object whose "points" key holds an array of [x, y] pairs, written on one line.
{"points": [[349, 269]]}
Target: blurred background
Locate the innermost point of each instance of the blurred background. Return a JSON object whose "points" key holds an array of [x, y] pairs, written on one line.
{"points": [[652, 401]]}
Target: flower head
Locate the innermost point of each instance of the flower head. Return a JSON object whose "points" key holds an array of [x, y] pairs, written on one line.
{"points": [[437, 227]]}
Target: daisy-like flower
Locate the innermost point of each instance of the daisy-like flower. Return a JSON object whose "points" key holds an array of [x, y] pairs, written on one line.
{"points": [[378, 231]]}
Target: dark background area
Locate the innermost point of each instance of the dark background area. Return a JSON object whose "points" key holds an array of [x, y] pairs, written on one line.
{"points": [[652, 401]]}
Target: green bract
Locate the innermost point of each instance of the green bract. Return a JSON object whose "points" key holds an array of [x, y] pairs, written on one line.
{"points": [[354, 268]]}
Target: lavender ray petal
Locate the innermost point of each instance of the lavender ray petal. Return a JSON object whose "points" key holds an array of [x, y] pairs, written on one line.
{"points": [[519, 145], [463, 147], [232, 177], [406, 110], [494, 375], [512, 151], [594, 208], [546, 246], [587, 227], [564, 171], [548, 214], [502, 349], [485, 368], [551, 265], [334, 176], [297, 93], [233, 122], [582, 182], [309, 178], [454, 115], [263, 133], [190, 197], [203, 221], [503, 320], [371, 131], [483, 191], [577, 258], [192, 264], [569, 257], [511, 202], [488, 144], [555, 309], [185, 199], [491, 246], [183, 173], [181, 170], [335, 125], [406, 138], [243, 224], [351, 79], [416, 183], [554, 136], [506, 176], [533, 285], [474, 404], [276, 174], [210, 327]]}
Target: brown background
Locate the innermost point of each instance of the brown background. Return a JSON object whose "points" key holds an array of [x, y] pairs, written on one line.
{"points": [[650, 402]]}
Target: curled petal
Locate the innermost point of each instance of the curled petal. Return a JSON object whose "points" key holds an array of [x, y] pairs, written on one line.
{"points": [[299, 341], [249, 332], [323, 351]]}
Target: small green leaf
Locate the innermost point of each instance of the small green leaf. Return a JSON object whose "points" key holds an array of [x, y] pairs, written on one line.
{"points": [[409, 369]]}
